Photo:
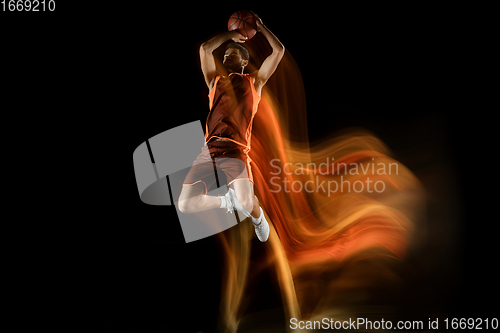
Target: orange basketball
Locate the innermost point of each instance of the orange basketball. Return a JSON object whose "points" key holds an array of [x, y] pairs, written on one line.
{"points": [[244, 22]]}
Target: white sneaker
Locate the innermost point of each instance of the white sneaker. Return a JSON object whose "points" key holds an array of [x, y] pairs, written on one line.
{"points": [[262, 229]]}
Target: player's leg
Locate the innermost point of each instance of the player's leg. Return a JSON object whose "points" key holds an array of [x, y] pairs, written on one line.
{"points": [[193, 199], [238, 175], [243, 189]]}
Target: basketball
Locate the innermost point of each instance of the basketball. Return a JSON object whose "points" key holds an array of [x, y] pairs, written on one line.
{"points": [[244, 22]]}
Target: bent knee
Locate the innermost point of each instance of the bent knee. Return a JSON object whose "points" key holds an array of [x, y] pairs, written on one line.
{"points": [[248, 203], [186, 206]]}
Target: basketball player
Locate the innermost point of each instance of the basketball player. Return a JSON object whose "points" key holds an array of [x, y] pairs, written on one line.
{"points": [[233, 103]]}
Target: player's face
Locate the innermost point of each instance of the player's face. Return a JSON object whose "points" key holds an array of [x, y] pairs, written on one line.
{"points": [[233, 60]]}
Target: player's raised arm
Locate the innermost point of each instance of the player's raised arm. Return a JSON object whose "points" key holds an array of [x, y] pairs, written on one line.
{"points": [[208, 66], [271, 62]]}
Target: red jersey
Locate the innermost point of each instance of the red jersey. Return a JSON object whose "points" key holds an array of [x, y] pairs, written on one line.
{"points": [[233, 104]]}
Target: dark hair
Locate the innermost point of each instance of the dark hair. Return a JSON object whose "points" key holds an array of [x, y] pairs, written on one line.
{"points": [[244, 52]]}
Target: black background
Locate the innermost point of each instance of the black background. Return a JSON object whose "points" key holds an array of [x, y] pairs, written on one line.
{"points": [[103, 80]]}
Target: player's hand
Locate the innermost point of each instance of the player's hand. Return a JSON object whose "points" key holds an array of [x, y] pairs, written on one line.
{"points": [[258, 21], [237, 37]]}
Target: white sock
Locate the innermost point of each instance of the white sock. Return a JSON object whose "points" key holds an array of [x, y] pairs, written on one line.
{"points": [[257, 221], [223, 202]]}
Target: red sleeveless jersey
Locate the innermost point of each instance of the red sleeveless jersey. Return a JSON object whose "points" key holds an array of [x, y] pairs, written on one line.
{"points": [[233, 104]]}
